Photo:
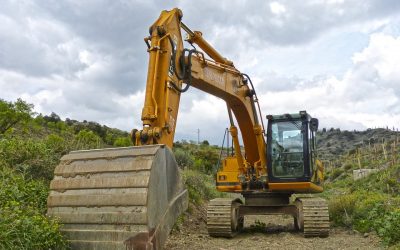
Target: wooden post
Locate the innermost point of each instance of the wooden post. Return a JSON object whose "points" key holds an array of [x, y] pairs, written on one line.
{"points": [[394, 153], [384, 150], [358, 158]]}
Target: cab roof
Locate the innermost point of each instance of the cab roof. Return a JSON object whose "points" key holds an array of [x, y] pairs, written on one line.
{"points": [[296, 116]]}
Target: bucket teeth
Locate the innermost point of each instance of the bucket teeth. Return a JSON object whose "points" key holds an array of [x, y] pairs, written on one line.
{"points": [[121, 198]]}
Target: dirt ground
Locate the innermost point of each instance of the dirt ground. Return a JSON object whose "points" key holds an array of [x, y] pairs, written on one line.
{"points": [[264, 232]]}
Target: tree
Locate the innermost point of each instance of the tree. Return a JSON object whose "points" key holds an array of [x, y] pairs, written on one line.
{"points": [[205, 142], [52, 118], [13, 113]]}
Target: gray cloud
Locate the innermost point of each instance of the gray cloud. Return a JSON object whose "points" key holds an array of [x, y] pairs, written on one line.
{"points": [[87, 59]]}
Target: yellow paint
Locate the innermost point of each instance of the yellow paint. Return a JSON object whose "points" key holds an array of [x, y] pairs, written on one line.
{"points": [[217, 77]]}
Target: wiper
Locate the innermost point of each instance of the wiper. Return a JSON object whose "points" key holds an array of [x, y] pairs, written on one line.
{"points": [[292, 121]]}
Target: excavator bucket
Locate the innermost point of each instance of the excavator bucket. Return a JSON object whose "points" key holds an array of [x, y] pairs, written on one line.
{"points": [[119, 198]]}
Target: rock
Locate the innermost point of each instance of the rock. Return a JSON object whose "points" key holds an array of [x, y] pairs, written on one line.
{"points": [[366, 235]]}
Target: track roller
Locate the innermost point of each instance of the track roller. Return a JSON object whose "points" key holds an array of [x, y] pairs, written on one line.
{"points": [[312, 217], [223, 217]]}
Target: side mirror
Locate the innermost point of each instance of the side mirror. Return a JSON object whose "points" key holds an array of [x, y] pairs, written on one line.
{"points": [[314, 124]]}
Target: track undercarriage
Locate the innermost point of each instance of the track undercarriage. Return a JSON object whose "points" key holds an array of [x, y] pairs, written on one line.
{"points": [[225, 216]]}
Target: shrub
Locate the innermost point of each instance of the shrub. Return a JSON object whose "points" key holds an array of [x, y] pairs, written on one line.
{"points": [[33, 157], [336, 173], [205, 159], [87, 139], [13, 113], [341, 209], [348, 166], [183, 158], [122, 142], [367, 211], [57, 144], [23, 224], [200, 186], [387, 227]]}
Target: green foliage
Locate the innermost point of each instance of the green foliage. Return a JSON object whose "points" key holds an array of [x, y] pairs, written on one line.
{"points": [[13, 113], [258, 226], [370, 203], [387, 227], [57, 144], [122, 142], [336, 173], [387, 181], [33, 157], [23, 224], [348, 166], [87, 139], [206, 159], [367, 211], [183, 158], [340, 208], [30, 149], [200, 186], [203, 158]]}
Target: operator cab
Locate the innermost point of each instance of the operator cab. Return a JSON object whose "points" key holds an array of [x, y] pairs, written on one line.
{"points": [[291, 147]]}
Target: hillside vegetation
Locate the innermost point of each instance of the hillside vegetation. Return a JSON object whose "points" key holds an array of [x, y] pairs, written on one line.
{"points": [[31, 145], [30, 148], [371, 203]]}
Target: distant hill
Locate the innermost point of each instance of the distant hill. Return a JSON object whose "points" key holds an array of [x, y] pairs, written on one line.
{"points": [[334, 142]]}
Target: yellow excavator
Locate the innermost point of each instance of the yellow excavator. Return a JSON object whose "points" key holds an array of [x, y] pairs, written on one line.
{"points": [[130, 198]]}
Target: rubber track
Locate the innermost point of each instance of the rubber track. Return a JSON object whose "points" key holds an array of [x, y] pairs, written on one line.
{"points": [[315, 217], [219, 218]]}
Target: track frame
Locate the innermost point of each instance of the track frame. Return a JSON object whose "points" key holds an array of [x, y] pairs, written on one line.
{"points": [[225, 216]]}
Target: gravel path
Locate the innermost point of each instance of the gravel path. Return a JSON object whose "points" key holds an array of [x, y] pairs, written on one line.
{"points": [[265, 232]]}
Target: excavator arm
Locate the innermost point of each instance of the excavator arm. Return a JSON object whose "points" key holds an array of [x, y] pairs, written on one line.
{"points": [[171, 66]]}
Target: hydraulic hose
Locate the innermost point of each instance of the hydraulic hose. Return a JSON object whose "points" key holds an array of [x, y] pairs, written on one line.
{"points": [[256, 98]]}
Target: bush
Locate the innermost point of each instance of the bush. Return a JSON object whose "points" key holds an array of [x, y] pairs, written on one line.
{"points": [[23, 224], [13, 113], [200, 186], [33, 157], [205, 159], [341, 209], [367, 211], [336, 173], [122, 142], [348, 166], [57, 144], [387, 227], [183, 158], [87, 139]]}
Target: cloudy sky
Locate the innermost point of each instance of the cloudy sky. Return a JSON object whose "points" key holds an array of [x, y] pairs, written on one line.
{"points": [[339, 60]]}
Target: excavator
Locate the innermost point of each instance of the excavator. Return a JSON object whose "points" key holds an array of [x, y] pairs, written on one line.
{"points": [[130, 198]]}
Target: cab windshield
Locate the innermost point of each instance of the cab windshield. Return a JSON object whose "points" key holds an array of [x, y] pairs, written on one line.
{"points": [[287, 149]]}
